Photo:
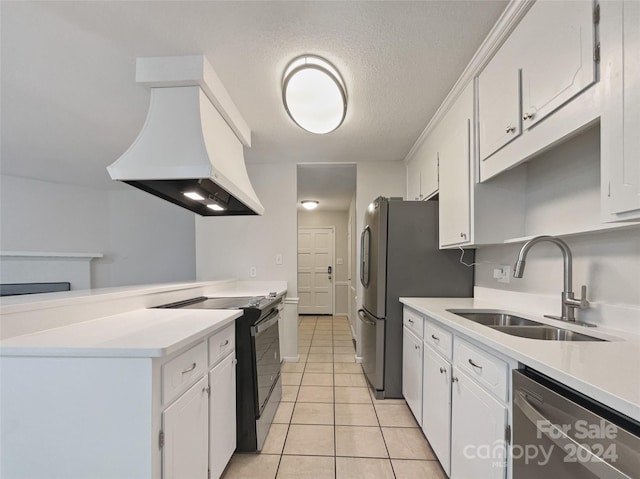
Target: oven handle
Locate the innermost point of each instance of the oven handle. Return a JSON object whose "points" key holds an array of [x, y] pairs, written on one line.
{"points": [[266, 323], [594, 464]]}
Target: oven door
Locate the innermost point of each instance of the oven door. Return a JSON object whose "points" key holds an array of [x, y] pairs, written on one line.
{"points": [[266, 341]]}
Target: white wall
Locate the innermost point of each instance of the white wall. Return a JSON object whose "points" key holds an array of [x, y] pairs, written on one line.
{"points": [[608, 263], [143, 239], [227, 247], [374, 179], [340, 220]]}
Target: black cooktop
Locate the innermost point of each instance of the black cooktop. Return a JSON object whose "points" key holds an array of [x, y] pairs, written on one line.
{"points": [[203, 302]]}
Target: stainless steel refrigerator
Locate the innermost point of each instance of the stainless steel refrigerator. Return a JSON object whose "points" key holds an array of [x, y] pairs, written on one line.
{"points": [[400, 257]]}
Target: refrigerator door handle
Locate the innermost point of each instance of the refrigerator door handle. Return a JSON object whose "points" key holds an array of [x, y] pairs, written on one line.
{"points": [[365, 256], [363, 317]]}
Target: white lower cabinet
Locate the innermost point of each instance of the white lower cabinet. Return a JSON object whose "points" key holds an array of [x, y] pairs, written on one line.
{"points": [[185, 428], [168, 417], [222, 415], [412, 372], [436, 405], [464, 399], [478, 425]]}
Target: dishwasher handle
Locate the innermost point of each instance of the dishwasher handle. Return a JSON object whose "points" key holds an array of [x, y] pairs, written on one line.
{"points": [[595, 464]]}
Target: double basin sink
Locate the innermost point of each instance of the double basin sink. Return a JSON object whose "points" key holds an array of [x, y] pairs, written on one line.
{"points": [[517, 326]]}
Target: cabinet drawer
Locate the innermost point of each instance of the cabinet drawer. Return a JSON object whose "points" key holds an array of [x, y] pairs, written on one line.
{"points": [[486, 369], [413, 320], [179, 373], [438, 338], [221, 344]]}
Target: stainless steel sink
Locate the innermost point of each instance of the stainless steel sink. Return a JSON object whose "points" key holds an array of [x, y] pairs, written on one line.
{"points": [[495, 318], [517, 326], [547, 333]]}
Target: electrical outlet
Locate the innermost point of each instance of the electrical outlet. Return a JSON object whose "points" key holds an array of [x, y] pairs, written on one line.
{"points": [[506, 273], [252, 272], [279, 259]]}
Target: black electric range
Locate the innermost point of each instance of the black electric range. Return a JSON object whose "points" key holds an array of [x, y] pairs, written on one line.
{"points": [[258, 382]]}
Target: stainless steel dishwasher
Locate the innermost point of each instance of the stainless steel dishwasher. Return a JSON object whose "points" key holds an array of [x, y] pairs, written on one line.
{"points": [[560, 433]]}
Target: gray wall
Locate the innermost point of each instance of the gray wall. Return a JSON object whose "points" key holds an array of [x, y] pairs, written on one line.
{"points": [[143, 239]]}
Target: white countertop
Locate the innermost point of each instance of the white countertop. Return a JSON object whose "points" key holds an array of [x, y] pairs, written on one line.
{"points": [[141, 333], [607, 371]]}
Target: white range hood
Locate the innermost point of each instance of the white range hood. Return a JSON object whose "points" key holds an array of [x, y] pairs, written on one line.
{"points": [[191, 142]]}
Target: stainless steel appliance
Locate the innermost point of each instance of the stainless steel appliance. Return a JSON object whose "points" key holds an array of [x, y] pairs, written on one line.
{"points": [[560, 433], [258, 382], [400, 256]]}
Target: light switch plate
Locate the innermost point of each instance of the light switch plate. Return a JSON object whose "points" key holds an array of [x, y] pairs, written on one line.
{"points": [[279, 259], [339, 261]]}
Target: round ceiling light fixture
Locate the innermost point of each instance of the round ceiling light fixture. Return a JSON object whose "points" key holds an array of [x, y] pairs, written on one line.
{"points": [[314, 94], [309, 204]]}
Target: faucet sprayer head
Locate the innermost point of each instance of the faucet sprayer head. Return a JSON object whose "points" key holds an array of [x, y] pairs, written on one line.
{"points": [[518, 269]]}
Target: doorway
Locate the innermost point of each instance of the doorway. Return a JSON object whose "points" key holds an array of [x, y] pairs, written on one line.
{"points": [[333, 186], [316, 248]]}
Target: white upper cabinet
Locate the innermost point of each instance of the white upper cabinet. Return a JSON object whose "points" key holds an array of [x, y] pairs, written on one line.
{"points": [[499, 101], [549, 59], [422, 171], [621, 138], [557, 40], [455, 171]]}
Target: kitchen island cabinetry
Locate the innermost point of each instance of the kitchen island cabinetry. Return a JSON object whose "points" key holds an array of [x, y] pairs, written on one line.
{"points": [[138, 394], [184, 434]]}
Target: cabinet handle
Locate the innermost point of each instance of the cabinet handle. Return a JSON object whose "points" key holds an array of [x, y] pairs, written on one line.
{"points": [[225, 343], [443, 371], [193, 366], [527, 116], [454, 379], [474, 364], [416, 346], [510, 129], [463, 235], [410, 320], [435, 338], [207, 390]]}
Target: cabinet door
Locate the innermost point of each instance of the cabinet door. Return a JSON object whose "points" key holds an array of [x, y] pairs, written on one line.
{"points": [[623, 193], [412, 372], [222, 415], [428, 171], [556, 41], [436, 405], [455, 170], [478, 425], [413, 180], [499, 101], [186, 431]]}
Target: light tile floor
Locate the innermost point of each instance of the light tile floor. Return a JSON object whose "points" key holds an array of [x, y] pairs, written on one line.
{"points": [[329, 425]]}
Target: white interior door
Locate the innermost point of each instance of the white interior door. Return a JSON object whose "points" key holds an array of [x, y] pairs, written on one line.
{"points": [[315, 270]]}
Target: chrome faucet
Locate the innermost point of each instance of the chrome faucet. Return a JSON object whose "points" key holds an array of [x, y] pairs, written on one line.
{"points": [[569, 303]]}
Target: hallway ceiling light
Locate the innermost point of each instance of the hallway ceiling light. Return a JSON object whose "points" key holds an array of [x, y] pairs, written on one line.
{"points": [[314, 94], [309, 204]]}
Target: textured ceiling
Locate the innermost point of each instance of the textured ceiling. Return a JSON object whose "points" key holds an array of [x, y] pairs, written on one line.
{"points": [[332, 185], [70, 104]]}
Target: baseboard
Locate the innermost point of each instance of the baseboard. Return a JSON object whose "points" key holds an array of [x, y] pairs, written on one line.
{"points": [[359, 359]]}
